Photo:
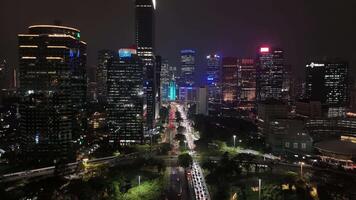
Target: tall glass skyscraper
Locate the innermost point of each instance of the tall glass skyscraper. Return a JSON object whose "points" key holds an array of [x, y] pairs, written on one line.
{"points": [[213, 79], [229, 82], [187, 59], [101, 73], [52, 63], [270, 74], [125, 98], [327, 82], [246, 83], [145, 42]]}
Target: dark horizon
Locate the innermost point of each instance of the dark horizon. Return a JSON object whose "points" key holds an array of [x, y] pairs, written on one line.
{"points": [[304, 30]]}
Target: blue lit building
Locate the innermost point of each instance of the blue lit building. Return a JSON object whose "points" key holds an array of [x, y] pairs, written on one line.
{"points": [[172, 96], [214, 83], [187, 69]]}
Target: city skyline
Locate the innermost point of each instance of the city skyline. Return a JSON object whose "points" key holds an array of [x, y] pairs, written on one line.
{"points": [[301, 29], [178, 100]]}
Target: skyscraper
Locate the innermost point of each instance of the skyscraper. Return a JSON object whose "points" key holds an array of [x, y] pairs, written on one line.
{"points": [[327, 82], [101, 73], [3, 77], [229, 82], [246, 84], [165, 78], [187, 69], [52, 63], [145, 42], [270, 73], [214, 83], [125, 98]]}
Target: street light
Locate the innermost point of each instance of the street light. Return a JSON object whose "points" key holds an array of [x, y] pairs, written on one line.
{"points": [[259, 189], [234, 141], [301, 168]]}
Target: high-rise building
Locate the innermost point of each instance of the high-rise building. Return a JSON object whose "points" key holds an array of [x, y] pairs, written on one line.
{"points": [[172, 91], [157, 78], [101, 73], [214, 83], [229, 82], [145, 42], [52, 63], [125, 98], [246, 84], [327, 82], [3, 77], [165, 78], [202, 101], [187, 69], [270, 74]]}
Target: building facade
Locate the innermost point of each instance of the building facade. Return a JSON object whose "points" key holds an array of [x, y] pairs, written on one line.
{"points": [[327, 82], [102, 73], [214, 83], [52, 63], [125, 98], [246, 84], [270, 74], [187, 69], [145, 42], [229, 82]]}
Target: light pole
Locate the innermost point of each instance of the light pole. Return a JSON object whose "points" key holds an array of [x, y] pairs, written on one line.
{"points": [[234, 141], [301, 169], [259, 189]]}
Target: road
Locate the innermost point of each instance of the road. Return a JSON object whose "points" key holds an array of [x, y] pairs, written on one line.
{"points": [[178, 184], [178, 189], [196, 176]]}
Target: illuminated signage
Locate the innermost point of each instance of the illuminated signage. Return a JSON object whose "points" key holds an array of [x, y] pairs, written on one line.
{"points": [[126, 53], [264, 49]]}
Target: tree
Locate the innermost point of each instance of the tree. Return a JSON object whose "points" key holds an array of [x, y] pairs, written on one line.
{"points": [[185, 160]]}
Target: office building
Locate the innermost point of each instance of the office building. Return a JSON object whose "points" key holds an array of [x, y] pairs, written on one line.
{"points": [[52, 63], [202, 101], [158, 86], [165, 80], [270, 74], [187, 69], [327, 82], [125, 98], [246, 84], [145, 42], [101, 73], [229, 82], [172, 91], [3, 73], [214, 83]]}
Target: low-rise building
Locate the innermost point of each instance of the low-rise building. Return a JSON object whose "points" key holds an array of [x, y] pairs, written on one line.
{"points": [[288, 136]]}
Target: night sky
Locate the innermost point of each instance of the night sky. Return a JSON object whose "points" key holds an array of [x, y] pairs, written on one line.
{"points": [[303, 28]]}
